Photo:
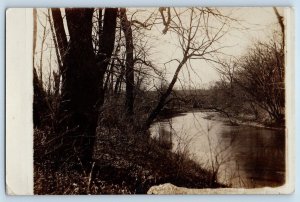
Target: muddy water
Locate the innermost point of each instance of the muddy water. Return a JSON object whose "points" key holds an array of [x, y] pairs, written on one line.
{"points": [[242, 156]]}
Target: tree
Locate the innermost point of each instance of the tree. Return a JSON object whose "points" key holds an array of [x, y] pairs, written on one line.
{"points": [[60, 39], [196, 40], [129, 67], [82, 75], [79, 90], [106, 47], [260, 74]]}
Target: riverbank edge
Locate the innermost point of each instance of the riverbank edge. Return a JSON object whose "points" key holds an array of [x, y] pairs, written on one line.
{"points": [[238, 121]]}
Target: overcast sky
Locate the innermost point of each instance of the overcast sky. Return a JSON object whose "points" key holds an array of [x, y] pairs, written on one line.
{"points": [[253, 24]]}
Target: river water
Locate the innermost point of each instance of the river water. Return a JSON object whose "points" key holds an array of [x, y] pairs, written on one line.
{"points": [[242, 156]]}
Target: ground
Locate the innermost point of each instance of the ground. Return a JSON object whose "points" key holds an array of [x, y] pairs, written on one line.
{"points": [[125, 163]]}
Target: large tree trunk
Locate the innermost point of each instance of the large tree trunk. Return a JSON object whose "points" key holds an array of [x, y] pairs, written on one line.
{"points": [[82, 76], [80, 86], [80, 91], [129, 71]]}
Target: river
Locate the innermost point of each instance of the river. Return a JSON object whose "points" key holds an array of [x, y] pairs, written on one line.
{"points": [[242, 156]]}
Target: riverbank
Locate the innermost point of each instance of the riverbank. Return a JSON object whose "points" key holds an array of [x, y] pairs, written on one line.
{"points": [[242, 120], [239, 121], [125, 162]]}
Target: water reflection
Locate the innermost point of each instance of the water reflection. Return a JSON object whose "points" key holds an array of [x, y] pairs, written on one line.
{"points": [[243, 156], [165, 137]]}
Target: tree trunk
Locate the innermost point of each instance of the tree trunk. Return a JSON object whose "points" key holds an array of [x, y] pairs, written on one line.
{"points": [[106, 48], [83, 74], [82, 78], [61, 41], [55, 42], [80, 86], [59, 31], [129, 71], [164, 96], [42, 54], [100, 28], [119, 80]]}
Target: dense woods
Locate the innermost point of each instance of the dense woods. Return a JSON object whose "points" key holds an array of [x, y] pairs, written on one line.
{"points": [[94, 107]]}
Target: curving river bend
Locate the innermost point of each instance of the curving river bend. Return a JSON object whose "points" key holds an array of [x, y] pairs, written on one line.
{"points": [[243, 156]]}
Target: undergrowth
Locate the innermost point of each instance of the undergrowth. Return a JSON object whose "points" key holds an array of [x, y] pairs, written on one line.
{"points": [[125, 161]]}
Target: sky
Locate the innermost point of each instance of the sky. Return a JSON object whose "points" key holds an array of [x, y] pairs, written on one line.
{"points": [[252, 23]]}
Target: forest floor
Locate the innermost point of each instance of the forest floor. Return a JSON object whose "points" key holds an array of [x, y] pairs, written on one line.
{"points": [[126, 162]]}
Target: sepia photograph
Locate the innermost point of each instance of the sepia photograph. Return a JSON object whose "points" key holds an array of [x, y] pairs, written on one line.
{"points": [[160, 100]]}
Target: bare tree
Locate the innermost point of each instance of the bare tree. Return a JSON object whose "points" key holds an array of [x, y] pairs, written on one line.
{"points": [[42, 52], [196, 40], [61, 44], [82, 76], [129, 67], [260, 75], [106, 47]]}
